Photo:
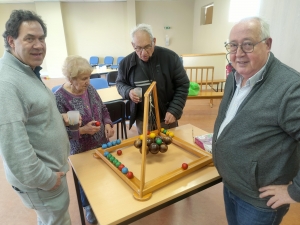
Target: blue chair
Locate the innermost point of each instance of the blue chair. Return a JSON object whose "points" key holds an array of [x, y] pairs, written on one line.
{"points": [[99, 83], [54, 89], [108, 61], [118, 62], [94, 60]]}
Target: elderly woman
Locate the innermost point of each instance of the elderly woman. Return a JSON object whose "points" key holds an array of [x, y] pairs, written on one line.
{"points": [[78, 94]]}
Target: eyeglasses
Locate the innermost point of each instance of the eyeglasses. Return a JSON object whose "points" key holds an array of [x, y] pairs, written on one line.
{"points": [[140, 49], [246, 46]]}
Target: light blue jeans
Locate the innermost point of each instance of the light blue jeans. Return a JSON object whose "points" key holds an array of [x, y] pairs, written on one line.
{"points": [[239, 212], [51, 207]]}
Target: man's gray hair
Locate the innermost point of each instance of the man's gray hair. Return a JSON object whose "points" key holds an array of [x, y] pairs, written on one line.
{"points": [[142, 27], [264, 26]]}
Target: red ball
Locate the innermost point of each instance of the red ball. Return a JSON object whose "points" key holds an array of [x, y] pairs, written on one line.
{"points": [[184, 166], [97, 123], [129, 175], [119, 152], [121, 167]]}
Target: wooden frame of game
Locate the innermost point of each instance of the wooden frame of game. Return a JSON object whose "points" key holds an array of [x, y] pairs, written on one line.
{"points": [[143, 190]]}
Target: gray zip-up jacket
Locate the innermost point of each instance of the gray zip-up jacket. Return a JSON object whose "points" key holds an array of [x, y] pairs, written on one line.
{"points": [[260, 146], [33, 140]]}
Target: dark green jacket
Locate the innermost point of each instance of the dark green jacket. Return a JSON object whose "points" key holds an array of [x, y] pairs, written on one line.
{"points": [[260, 146], [172, 82]]}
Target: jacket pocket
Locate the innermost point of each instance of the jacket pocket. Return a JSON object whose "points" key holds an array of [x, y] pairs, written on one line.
{"points": [[253, 175]]}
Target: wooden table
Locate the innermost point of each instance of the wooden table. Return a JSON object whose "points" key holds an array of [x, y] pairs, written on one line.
{"points": [[112, 199], [109, 94], [100, 71]]}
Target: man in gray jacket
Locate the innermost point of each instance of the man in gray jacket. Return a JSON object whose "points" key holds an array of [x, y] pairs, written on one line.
{"points": [[34, 144], [153, 63], [257, 131]]}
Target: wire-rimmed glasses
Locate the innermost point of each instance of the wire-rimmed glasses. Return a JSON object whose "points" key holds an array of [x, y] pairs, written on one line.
{"points": [[246, 46]]}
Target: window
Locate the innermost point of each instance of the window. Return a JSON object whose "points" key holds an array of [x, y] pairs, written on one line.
{"points": [[240, 9], [207, 14]]}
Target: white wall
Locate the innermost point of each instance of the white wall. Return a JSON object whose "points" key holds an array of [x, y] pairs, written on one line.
{"points": [[103, 28], [98, 29], [177, 15], [56, 42], [210, 38], [284, 20], [5, 11]]}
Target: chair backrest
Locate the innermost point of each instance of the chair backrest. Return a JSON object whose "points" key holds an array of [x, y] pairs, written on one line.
{"points": [[127, 110], [108, 60], [203, 75], [111, 78], [116, 111], [119, 59], [94, 60], [99, 83], [54, 89]]}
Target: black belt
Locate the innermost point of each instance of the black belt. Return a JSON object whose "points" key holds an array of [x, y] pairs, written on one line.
{"points": [[17, 189]]}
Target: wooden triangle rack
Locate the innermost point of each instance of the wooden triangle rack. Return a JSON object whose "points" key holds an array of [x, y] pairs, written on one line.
{"points": [[143, 190]]}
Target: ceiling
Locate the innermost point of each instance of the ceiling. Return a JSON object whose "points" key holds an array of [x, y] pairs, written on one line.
{"points": [[32, 1]]}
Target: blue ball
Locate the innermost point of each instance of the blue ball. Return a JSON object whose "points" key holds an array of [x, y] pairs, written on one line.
{"points": [[109, 144], [114, 143], [124, 170], [106, 153], [118, 141], [104, 146]]}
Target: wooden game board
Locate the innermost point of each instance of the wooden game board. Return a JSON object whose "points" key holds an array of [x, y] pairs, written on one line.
{"points": [[143, 190]]}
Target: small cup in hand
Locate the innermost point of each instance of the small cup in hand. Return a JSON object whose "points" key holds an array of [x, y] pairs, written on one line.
{"points": [[73, 120], [139, 92]]}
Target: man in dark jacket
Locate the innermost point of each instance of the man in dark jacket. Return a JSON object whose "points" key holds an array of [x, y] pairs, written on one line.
{"points": [[257, 131], [152, 63]]}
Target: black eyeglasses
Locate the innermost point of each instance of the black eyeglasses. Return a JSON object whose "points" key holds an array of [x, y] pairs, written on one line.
{"points": [[246, 46], [140, 49]]}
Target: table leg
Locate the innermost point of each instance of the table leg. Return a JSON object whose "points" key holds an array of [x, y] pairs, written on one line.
{"points": [[78, 198]]}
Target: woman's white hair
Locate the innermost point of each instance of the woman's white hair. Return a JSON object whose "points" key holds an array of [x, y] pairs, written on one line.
{"points": [[75, 65]]}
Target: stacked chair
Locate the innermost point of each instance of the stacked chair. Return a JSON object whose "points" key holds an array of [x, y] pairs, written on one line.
{"points": [[108, 61], [115, 67], [94, 61]]}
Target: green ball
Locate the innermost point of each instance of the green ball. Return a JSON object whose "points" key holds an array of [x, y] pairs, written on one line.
{"points": [[158, 141], [118, 164], [115, 161]]}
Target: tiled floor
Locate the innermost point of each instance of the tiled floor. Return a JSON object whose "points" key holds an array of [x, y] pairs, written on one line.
{"points": [[204, 208]]}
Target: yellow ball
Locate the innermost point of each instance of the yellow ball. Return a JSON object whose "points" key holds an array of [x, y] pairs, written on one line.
{"points": [[168, 132], [162, 129], [141, 137], [152, 135], [171, 134]]}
